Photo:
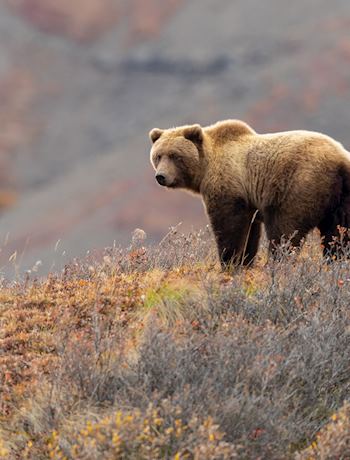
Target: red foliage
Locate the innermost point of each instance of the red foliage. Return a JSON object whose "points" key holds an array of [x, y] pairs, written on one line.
{"points": [[81, 19]]}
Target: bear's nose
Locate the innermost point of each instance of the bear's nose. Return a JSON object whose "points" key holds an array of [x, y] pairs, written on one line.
{"points": [[160, 179]]}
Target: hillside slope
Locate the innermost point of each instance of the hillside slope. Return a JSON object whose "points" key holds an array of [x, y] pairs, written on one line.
{"points": [[153, 353]]}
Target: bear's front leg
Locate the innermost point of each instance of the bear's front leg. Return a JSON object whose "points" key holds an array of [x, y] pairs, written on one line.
{"points": [[237, 237]]}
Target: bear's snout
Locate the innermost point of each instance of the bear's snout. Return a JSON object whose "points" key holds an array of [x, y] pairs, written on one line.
{"points": [[161, 179]]}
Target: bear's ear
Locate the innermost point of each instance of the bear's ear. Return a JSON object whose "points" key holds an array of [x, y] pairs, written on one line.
{"points": [[194, 134], [155, 134]]}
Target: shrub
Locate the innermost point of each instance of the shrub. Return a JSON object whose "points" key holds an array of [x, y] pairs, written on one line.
{"points": [[333, 441], [252, 363], [157, 433]]}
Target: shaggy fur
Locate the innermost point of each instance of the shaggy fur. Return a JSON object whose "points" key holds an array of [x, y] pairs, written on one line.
{"points": [[292, 181]]}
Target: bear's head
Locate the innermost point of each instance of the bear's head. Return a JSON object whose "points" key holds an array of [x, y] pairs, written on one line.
{"points": [[176, 156]]}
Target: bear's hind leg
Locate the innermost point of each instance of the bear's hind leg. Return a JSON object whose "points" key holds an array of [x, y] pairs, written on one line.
{"points": [[335, 224], [334, 229], [281, 228]]}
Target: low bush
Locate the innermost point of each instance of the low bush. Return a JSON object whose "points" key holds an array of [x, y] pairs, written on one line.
{"points": [[141, 355]]}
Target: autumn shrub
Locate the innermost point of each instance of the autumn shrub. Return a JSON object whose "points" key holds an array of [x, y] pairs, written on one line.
{"points": [[157, 433], [254, 363], [174, 250], [333, 441]]}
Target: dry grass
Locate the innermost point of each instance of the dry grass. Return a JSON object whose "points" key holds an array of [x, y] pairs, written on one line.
{"points": [[154, 353]]}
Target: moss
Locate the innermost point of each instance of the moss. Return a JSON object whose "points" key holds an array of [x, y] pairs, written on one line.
{"points": [[170, 302]]}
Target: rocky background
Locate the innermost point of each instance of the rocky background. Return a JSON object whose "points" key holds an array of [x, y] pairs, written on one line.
{"points": [[82, 82]]}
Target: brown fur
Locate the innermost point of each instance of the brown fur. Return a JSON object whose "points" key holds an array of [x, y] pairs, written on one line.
{"points": [[292, 181]]}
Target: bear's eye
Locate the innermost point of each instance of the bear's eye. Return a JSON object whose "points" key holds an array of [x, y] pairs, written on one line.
{"points": [[157, 158]]}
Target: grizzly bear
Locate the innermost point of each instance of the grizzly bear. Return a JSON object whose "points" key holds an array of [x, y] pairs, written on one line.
{"points": [[292, 181]]}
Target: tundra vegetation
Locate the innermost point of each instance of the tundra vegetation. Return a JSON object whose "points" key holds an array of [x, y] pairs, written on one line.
{"points": [[153, 352]]}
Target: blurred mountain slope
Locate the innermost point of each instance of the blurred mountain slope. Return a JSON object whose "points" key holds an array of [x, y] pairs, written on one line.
{"points": [[81, 84]]}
